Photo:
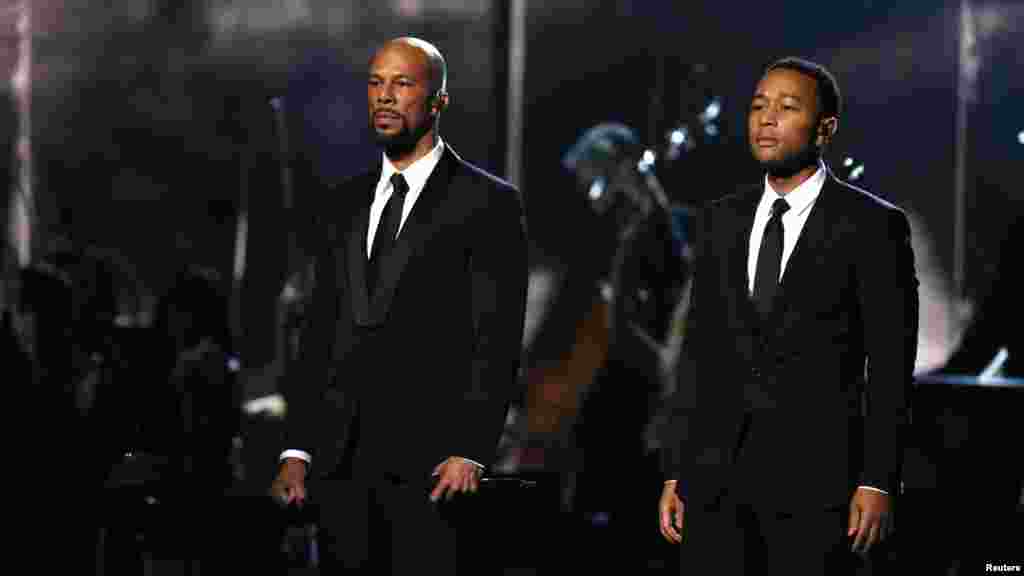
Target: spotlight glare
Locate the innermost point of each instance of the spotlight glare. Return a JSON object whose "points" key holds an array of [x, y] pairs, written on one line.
{"points": [[1020, 137], [646, 162], [713, 109]]}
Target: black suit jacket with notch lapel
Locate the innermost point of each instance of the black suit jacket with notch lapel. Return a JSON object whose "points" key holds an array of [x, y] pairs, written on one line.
{"points": [[819, 390], [424, 368]]}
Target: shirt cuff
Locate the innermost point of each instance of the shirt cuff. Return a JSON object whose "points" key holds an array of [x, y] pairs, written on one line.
{"points": [[873, 489], [473, 462], [304, 456]]}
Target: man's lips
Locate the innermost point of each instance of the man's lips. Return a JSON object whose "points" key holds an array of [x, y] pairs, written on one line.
{"points": [[386, 115], [765, 142]]}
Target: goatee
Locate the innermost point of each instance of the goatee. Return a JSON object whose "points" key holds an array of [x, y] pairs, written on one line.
{"points": [[400, 144], [397, 145], [793, 163]]}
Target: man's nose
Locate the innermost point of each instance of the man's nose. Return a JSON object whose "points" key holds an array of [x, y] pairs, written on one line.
{"points": [[385, 94]]}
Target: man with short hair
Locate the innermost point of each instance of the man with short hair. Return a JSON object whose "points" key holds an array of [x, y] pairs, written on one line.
{"points": [[411, 355], [787, 458]]}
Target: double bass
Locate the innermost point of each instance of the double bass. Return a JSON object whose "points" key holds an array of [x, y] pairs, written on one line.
{"points": [[597, 393]]}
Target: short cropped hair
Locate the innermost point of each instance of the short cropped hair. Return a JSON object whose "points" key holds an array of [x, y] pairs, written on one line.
{"points": [[830, 100]]}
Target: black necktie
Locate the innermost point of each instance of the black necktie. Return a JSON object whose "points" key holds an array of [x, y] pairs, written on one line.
{"points": [[387, 229], [769, 259]]}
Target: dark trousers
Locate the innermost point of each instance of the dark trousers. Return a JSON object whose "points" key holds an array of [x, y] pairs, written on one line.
{"points": [[736, 539], [383, 526]]}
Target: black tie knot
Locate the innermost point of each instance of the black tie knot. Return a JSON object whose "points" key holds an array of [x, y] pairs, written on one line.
{"points": [[399, 185], [779, 207]]}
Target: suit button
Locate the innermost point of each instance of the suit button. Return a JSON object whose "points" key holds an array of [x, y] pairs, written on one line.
{"points": [[755, 372]]}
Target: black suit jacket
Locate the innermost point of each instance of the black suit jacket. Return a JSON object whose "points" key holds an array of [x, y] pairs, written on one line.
{"points": [[796, 410], [395, 382]]}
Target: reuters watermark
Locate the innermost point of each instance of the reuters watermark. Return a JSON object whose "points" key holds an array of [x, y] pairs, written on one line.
{"points": [[991, 568]]}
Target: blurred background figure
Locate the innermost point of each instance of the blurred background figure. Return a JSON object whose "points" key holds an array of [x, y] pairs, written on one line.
{"points": [[603, 340], [169, 413], [198, 361]]}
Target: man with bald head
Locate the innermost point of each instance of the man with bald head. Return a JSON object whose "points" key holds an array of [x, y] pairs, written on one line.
{"points": [[411, 350]]}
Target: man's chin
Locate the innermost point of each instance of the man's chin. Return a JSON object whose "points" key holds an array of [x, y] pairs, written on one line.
{"points": [[786, 167], [385, 139]]}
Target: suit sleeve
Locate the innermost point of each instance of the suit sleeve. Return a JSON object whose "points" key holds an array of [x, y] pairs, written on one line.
{"points": [[676, 449], [888, 298], [306, 377], [498, 272]]}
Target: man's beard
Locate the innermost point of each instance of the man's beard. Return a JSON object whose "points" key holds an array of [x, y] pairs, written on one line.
{"points": [[792, 163], [398, 144]]}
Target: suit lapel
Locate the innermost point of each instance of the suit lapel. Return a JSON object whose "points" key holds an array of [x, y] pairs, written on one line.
{"points": [[419, 224], [744, 316], [745, 218], [813, 239], [356, 250]]}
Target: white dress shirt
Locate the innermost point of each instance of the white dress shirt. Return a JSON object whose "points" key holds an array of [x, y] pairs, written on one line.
{"points": [[416, 175], [801, 199]]}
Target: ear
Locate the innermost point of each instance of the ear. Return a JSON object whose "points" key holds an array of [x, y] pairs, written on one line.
{"points": [[827, 128], [439, 103]]}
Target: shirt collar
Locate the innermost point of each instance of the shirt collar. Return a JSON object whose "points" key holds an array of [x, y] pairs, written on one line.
{"points": [[800, 198], [416, 174]]}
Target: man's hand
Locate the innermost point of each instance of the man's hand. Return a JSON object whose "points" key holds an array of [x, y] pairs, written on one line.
{"points": [[670, 509], [455, 475], [290, 485], [871, 519]]}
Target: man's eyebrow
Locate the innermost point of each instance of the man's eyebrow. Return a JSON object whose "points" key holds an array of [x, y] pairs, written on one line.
{"points": [[781, 95]]}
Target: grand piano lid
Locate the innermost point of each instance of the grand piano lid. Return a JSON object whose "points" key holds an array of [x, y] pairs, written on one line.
{"points": [[992, 376], [969, 380]]}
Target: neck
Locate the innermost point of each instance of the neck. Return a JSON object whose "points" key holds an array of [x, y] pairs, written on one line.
{"points": [[403, 158], [785, 184]]}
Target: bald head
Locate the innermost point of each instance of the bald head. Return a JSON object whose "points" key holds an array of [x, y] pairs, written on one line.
{"points": [[433, 59]]}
